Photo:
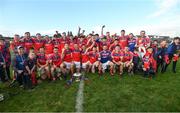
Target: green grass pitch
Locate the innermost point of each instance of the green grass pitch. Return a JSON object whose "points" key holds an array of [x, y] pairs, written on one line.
{"points": [[101, 94]]}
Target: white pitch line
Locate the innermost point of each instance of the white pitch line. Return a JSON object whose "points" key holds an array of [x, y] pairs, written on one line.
{"points": [[80, 97]]}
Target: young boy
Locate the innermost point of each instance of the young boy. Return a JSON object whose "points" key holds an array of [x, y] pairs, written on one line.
{"points": [[19, 66], [136, 60], [148, 60], [29, 77]]}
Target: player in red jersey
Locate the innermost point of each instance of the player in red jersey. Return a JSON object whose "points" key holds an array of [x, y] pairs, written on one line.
{"points": [[38, 42], [148, 63], [142, 43], [48, 45], [56, 64], [28, 42], [76, 58], [57, 43], [67, 59], [93, 41], [93, 59], [108, 37], [82, 41], [103, 42], [16, 42], [42, 64], [128, 60], [89, 37], [114, 44], [123, 40], [84, 59], [72, 42], [63, 40], [117, 58]]}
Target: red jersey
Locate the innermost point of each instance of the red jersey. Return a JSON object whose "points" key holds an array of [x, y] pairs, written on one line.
{"points": [[63, 41], [90, 43], [74, 40], [143, 41], [56, 59], [67, 55], [57, 44], [81, 42], [123, 41], [48, 45], [28, 43], [84, 57], [93, 56], [76, 55], [147, 60], [41, 59], [128, 56], [38, 44], [15, 44], [147, 41], [140, 41], [112, 47], [71, 45], [116, 56], [109, 39]]}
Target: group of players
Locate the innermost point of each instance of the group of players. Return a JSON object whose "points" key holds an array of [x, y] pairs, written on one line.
{"points": [[66, 55]]}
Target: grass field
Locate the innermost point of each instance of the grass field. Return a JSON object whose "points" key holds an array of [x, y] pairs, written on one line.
{"points": [[101, 94]]}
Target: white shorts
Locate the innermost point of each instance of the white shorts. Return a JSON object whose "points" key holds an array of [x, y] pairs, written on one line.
{"points": [[84, 65], [104, 65], [77, 64], [68, 65]]}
